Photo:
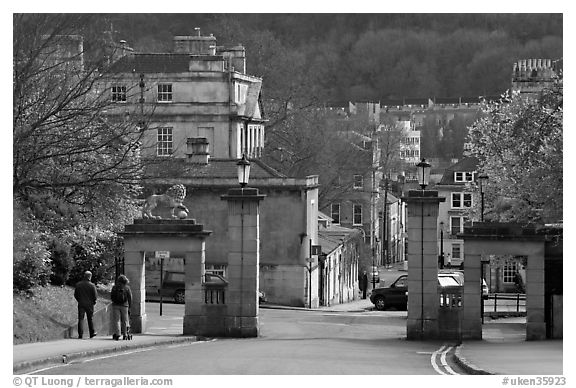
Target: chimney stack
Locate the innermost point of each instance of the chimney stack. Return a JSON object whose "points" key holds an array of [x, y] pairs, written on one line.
{"points": [[197, 150]]}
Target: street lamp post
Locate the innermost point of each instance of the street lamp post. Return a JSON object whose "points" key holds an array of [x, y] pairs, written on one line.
{"points": [[482, 178], [441, 257], [423, 179]]}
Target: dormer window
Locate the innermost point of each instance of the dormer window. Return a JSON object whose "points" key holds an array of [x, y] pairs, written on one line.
{"points": [[358, 181], [461, 176]]}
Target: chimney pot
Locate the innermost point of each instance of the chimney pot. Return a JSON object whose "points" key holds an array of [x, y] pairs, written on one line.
{"points": [[197, 150]]}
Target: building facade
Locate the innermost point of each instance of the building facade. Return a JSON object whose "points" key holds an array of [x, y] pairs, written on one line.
{"points": [[200, 112], [338, 264], [199, 90], [457, 186]]}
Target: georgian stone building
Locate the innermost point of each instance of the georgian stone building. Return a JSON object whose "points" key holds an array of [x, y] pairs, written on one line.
{"points": [[197, 91], [200, 112]]}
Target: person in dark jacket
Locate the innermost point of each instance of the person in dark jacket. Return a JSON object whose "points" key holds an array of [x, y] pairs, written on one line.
{"points": [[85, 294], [363, 284], [121, 302]]}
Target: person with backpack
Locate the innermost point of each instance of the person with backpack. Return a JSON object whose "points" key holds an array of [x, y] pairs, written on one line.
{"points": [[85, 294], [121, 296]]}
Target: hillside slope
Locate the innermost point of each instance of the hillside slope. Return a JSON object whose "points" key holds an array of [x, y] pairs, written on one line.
{"points": [[45, 314]]}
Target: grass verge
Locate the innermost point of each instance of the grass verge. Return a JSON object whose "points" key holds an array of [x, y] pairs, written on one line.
{"points": [[44, 313]]}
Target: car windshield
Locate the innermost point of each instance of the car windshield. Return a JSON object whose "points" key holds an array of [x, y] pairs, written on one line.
{"points": [[447, 281]]}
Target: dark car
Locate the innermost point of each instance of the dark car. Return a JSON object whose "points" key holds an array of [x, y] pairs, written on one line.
{"points": [[396, 294], [173, 285]]}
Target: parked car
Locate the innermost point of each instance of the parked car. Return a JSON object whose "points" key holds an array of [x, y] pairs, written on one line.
{"points": [[374, 274], [173, 285], [396, 294]]}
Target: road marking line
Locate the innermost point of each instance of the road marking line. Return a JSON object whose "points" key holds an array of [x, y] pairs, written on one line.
{"points": [[445, 363], [433, 361], [189, 343], [43, 369]]}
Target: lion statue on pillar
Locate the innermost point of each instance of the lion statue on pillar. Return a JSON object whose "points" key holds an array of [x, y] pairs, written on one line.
{"points": [[172, 198]]}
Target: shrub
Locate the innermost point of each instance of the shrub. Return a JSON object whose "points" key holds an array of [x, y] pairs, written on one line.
{"points": [[99, 258], [31, 258], [62, 262]]}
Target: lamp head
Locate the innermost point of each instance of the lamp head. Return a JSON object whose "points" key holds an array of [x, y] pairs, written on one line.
{"points": [[243, 171], [482, 178], [423, 173]]}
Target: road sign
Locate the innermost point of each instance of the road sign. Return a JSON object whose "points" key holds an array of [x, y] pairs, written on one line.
{"points": [[162, 254], [316, 250]]}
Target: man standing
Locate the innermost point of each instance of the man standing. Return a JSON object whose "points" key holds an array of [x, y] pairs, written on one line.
{"points": [[364, 284], [85, 293]]}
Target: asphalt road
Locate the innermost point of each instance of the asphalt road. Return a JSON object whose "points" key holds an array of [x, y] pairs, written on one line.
{"points": [[292, 342]]}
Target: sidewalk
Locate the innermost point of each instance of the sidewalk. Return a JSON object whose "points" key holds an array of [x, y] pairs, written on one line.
{"points": [[160, 331], [503, 349]]}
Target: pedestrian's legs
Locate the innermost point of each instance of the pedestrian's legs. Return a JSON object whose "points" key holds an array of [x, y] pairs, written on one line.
{"points": [[364, 292], [124, 318], [81, 313], [116, 314], [89, 315]]}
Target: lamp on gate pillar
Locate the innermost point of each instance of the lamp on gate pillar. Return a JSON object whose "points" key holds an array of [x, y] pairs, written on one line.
{"points": [[482, 178], [243, 166], [244, 253], [243, 171], [423, 173]]}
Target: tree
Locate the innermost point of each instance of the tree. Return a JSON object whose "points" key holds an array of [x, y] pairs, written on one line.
{"points": [[70, 163], [74, 170], [311, 143], [518, 142]]}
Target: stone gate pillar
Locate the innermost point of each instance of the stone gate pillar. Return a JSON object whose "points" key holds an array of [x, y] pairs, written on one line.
{"points": [[241, 318], [423, 299], [149, 235]]}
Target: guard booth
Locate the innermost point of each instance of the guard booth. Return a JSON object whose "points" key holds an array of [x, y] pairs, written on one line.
{"points": [[486, 238]]}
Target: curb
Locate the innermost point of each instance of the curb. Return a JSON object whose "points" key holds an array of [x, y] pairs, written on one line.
{"points": [[470, 368], [24, 366], [325, 310]]}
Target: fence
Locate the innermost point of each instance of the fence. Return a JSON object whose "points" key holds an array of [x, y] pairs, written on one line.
{"points": [[505, 303]]}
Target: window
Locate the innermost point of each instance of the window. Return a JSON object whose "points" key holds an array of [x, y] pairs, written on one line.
{"points": [[164, 144], [456, 251], [164, 92], [335, 212], [461, 176], [509, 271], [461, 200], [118, 93], [358, 181], [357, 216], [456, 225]]}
